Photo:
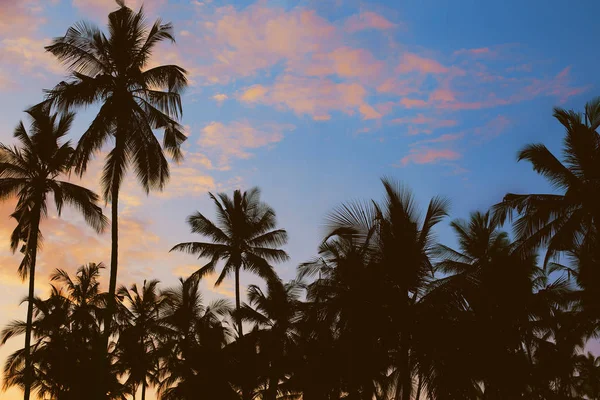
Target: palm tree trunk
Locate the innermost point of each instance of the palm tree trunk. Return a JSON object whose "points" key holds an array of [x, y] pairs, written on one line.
{"points": [[237, 303], [31, 251], [144, 390]]}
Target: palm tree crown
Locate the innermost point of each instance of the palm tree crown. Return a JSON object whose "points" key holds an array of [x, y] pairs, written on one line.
{"points": [[244, 237]]}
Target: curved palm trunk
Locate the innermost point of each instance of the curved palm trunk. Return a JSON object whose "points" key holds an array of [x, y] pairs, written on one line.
{"points": [[31, 251], [144, 390]]}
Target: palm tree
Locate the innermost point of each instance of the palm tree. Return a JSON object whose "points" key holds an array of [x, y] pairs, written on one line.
{"points": [[274, 316], [571, 218], [480, 274], [141, 329], [382, 249], [32, 172], [67, 352], [588, 368], [195, 365], [244, 237], [112, 71]]}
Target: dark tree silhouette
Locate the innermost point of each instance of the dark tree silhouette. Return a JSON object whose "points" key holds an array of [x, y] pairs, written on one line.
{"points": [[244, 236], [31, 172], [113, 71], [140, 330]]}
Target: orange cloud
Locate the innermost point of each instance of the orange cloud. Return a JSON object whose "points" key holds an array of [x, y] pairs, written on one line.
{"points": [[428, 156], [253, 93], [220, 98], [101, 8], [367, 20], [344, 62], [235, 139], [19, 18], [258, 37], [316, 97], [27, 55], [411, 62]]}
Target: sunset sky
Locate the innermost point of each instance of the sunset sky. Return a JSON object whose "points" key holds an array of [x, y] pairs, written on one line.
{"points": [[313, 101]]}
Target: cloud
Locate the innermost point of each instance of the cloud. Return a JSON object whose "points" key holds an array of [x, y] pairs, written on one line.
{"points": [[220, 98], [19, 18], [27, 55], [101, 8], [241, 43], [427, 156], [367, 20], [411, 62], [345, 62], [236, 139], [316, 97]]}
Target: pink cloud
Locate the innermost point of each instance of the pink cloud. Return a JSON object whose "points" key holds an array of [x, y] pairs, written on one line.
{"points": [[258, 37], [344, 62], [234, 140], [101, 8], [316, 97], [413, 103], [367, 20], [429, 156], [411, 62]]}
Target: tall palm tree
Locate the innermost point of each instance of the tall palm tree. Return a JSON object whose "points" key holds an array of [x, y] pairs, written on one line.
{"points": [[571, 218], [113, 71], [32, 172], [244, 237], [141, 328]]}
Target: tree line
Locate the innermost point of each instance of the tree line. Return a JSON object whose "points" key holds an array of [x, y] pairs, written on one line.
{"points": [[384, 311]]}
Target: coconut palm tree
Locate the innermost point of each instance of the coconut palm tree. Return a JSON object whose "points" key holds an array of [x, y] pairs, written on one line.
{"points": [[135, 99], [195, 365], [274, 315], [588, 376], [383, 250], [570, 218], [243, 236], [141, 328], [32, 171], [67, 352]]}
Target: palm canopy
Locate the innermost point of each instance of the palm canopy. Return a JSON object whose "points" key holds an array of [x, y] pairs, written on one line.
{"points": [[243, 236], [114, 71], [566, 220], [33, 170]]}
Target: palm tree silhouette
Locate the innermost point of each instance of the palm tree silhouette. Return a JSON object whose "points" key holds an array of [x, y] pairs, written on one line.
{"points": [[135, 99], [571, 219], [192, 350], [141, 328], [32, 172], [274, 315], [244, 236], [67, 353]]}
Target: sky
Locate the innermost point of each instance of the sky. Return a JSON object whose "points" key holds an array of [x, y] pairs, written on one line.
{"points": [[312, 101]]}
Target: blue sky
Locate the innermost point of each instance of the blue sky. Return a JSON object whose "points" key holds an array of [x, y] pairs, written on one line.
{"points": [[314, 101]]}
